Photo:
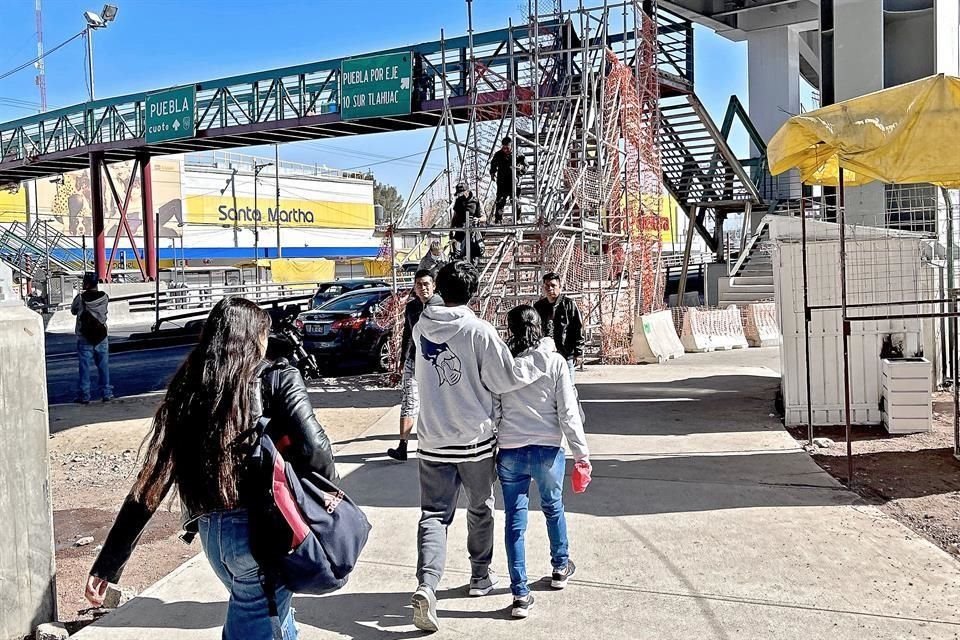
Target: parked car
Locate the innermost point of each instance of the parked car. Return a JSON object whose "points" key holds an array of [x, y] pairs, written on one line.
{"points": [[330, 290], [345, 329]]}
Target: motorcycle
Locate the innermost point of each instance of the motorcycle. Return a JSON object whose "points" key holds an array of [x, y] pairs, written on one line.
{"points": [[286, 341]]}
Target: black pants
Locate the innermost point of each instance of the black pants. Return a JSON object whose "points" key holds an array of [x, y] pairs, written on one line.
{"points": [[476, 246], [504, 193]]}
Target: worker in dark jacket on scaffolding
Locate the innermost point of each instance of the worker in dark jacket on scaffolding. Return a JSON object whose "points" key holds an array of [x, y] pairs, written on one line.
{"points": [[501, 170], [466, 206]]}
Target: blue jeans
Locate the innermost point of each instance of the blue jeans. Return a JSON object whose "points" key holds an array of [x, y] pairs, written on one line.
{"points": [[572, 366], [90, 355], [226, 543], [516, 467]]}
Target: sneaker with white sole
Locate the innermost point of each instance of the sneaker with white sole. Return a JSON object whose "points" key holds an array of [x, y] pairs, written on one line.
{"points": [[424, 602], [483, 586], [521, 606], [560, 575]]}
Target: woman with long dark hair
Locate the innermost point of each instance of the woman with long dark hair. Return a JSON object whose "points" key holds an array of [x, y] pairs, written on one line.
{"points": [[201, 436], [534, 420]]}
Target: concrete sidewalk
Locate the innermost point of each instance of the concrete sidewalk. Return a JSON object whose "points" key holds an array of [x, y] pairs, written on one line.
{"points": [[704, 520]]}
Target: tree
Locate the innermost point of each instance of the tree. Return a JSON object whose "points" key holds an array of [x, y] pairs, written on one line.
{"points": [[389, 198]]}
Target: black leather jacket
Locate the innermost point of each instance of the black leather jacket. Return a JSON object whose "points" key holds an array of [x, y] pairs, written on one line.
{"points": [[566, 327], [294, 428]]}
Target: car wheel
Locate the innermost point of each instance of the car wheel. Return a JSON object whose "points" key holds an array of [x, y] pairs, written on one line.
{"points": [[383, 355]]}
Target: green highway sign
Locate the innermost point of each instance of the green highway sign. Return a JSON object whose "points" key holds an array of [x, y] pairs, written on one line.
{"points": [[170, 114], [376, 86]]}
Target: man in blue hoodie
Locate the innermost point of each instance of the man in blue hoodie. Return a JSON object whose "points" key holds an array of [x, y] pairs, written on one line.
{"points": [[460, 363]]}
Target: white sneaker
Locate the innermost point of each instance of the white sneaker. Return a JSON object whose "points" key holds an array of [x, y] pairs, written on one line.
{"points": [[483, 586], [424, 603]]}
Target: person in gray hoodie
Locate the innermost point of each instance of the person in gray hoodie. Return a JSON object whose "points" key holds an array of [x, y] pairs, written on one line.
{"points": [[460, 363], [93, 346], [531, 426]]}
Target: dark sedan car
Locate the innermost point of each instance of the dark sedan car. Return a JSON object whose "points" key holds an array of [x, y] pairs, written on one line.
{"points": [[330, 290], [345, 329]]}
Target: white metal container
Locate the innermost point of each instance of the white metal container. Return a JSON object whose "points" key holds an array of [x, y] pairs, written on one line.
{"points": [[905, 390], [883, 266]]}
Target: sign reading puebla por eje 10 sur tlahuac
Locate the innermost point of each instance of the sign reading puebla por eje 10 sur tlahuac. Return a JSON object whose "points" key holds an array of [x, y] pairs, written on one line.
{"points": [[376, 86], [170, 114]]}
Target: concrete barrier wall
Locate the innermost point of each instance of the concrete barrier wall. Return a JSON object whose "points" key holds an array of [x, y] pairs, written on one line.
{"points": [[27, 563], [655, 339], [712, 330], [760, 325]]}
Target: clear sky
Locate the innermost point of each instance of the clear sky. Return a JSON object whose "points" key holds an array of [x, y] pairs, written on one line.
{"points": [[159, 43]]}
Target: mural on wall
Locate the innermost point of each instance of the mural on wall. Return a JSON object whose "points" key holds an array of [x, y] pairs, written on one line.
{"points": [[65, 200]]}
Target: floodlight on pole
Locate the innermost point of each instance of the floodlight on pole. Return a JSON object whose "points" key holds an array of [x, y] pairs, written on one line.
{"points": [[96, 21], [109, 13]]}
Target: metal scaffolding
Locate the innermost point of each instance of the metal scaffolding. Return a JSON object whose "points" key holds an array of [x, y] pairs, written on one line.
{"points": [[578, 91]]}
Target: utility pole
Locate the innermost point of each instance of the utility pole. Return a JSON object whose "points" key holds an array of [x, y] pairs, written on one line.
{"points": [[257, 168], [95, 21], [276, 210]]}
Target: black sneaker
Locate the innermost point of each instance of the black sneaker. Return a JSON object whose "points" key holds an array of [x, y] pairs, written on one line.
{"points": [[522, 606], [561, 575], [82, 401], [400, 455]]}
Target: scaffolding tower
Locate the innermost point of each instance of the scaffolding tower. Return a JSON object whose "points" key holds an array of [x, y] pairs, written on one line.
{"points": [[578, 91]]}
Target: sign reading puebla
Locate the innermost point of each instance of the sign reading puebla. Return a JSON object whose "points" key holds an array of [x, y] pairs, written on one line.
{"points": [[170, 114], [375, 86]]}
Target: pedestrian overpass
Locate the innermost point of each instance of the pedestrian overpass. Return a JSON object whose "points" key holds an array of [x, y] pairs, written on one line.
{"points": [[437, 79]]}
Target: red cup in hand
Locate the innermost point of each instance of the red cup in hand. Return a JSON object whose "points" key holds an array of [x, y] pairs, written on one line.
{"points": [[581, 476]]}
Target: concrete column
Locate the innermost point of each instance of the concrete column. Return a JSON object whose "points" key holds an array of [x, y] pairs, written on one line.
{"points": [[773, 67], [947, 26], [773, 63], [858, 70], [27, 589]]}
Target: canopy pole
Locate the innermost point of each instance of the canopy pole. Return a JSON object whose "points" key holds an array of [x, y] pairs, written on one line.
{"points": [[845, 322], [806, 313]]}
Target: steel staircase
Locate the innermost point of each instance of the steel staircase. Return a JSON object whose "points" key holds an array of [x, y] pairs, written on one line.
{"points": [[700, 170], [26, 250]]}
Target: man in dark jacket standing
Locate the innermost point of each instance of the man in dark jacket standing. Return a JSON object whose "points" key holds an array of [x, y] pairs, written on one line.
{"points": [[501, 170], [466, 205], [93, 346], [423, 290], [560, 318]]}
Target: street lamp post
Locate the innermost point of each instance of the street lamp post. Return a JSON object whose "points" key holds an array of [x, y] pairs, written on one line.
{"points": [[257, 168], [96, 21]]}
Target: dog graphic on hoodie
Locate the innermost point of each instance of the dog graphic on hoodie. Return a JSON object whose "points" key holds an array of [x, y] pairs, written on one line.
{"points": [[445, 361]]}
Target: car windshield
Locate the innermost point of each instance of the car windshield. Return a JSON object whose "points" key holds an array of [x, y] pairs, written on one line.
{"points": [[350, 303]]}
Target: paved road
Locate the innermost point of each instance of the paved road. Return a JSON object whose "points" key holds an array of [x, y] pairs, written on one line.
{"points": [[131, 373]]}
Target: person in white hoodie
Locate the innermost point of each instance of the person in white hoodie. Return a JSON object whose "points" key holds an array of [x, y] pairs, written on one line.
{"points": [[460, 363], [532, 423]]}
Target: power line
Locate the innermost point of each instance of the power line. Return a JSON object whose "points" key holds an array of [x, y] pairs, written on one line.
{"points": [[39, 58]]}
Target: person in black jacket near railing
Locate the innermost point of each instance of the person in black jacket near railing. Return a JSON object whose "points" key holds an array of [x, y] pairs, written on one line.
{"points": [[423, 295], [561, 320], [201, 436]]}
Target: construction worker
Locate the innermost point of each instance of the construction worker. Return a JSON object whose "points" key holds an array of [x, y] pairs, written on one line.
{"points": [[465, 205], [501, 170]]}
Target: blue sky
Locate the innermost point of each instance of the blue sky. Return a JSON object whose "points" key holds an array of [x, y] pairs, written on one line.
{"points": [[158, 43]]}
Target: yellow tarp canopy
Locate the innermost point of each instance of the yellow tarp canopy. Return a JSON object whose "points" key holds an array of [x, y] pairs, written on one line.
{"points": [[285, 270], [906, 134]]}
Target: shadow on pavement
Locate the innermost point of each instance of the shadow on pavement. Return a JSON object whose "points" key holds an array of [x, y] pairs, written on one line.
{"points": [[674, 484], [715, 404]]}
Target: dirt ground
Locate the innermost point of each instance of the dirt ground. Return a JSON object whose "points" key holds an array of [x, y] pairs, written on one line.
{"points": [[914, 478], [93, 462]]}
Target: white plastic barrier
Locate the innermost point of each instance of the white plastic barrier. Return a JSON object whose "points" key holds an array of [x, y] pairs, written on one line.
{"points": [[712, 330], [655, 338], [761, 325]]}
